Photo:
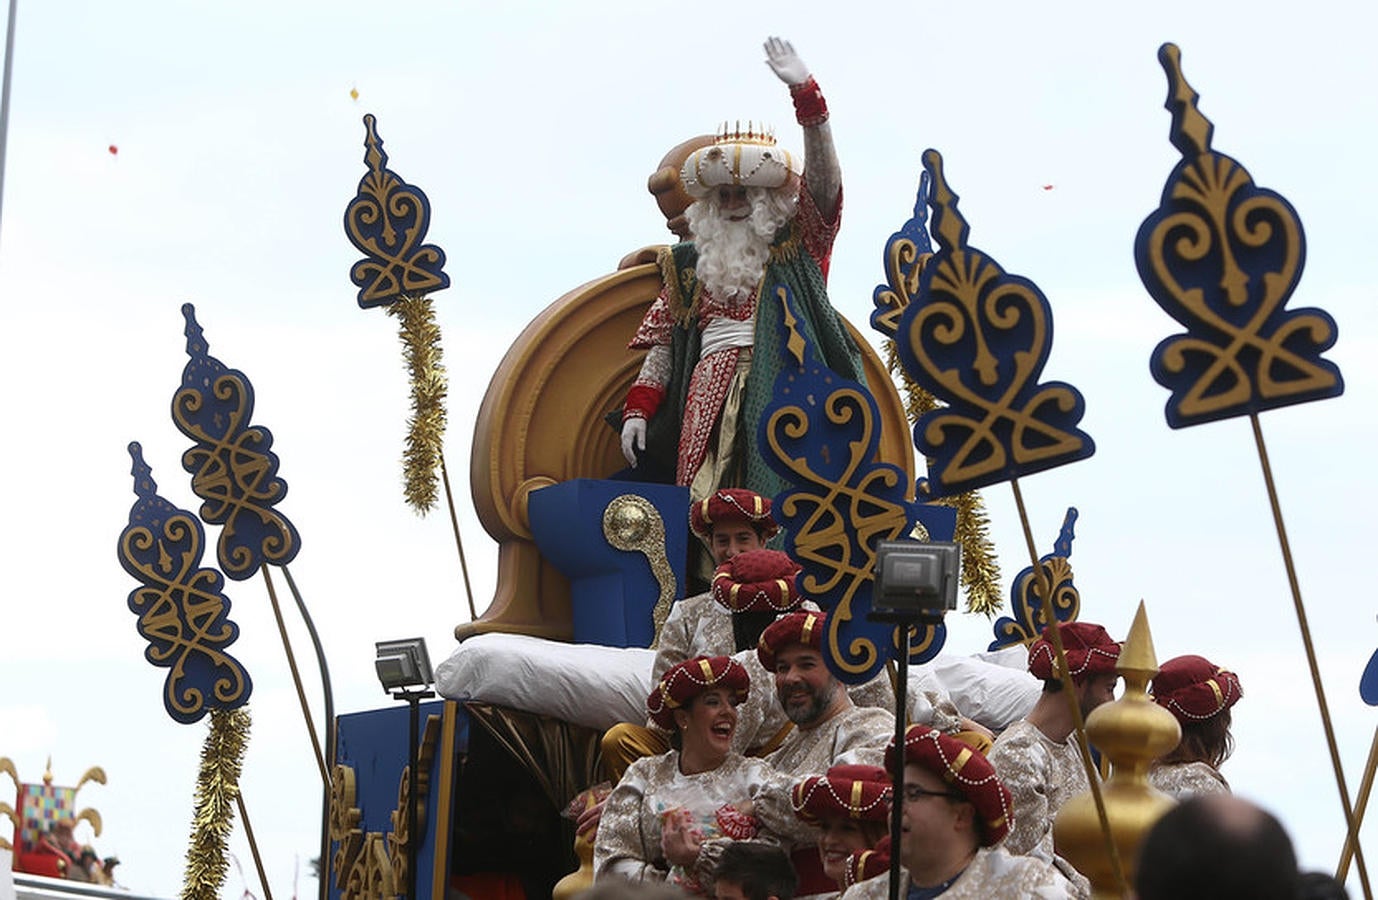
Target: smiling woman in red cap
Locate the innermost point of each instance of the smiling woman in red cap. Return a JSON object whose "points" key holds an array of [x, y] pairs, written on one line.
{"points": [[670, 815], [1199, 693]]}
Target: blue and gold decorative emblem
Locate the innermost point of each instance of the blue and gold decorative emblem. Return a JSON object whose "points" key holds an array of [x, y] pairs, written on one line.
{"points": [[1222, 256], [232, 464], [906, 253], [977, 339], [1029, 619], [387, 220], [821, 433], [182, 613]]}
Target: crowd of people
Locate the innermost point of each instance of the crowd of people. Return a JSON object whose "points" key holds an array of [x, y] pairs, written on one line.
{"points": [[754, 750]]}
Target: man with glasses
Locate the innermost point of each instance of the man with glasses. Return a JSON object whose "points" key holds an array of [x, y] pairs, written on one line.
{"points": [[955, 814]]}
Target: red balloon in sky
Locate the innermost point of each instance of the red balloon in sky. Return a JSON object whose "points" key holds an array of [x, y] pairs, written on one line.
{"points": [[114, 151]]}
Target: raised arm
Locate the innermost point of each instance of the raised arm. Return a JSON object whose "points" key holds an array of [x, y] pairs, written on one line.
{"points": [[821, 170]]}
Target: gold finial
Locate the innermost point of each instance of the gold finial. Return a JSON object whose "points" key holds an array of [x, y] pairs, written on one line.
{"points": [[1131, 732], [1191, 131], [48, 771]]}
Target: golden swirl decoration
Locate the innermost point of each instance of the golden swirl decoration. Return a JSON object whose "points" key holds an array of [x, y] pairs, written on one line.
{"points": [[1222, 256], [371, 876], [632, 523], [345, 817]]}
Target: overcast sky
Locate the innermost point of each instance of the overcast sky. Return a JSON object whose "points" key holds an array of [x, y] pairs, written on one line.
{"points": [[533, 127]]}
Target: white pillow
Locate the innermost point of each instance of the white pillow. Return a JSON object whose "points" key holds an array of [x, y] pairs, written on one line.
{"points": [[587, 684]]}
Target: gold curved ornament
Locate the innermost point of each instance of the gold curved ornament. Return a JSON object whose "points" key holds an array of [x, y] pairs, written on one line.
{"points": [[400, 838], [7, 767], [633, 524], [91, 817], [371, 876], [344, 811]]}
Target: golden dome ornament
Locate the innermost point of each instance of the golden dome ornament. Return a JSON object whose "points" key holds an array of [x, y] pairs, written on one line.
{"points": [[1131, 732]]}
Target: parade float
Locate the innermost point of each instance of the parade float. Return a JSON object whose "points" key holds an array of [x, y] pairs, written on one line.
{"points": [[465, 792]]}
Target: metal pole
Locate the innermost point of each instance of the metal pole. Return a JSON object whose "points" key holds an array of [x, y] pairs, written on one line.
{"points": [[414, 701], [5, 100], [897, 770]]}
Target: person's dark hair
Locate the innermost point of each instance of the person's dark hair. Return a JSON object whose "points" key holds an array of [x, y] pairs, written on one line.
{"points": [[761, 870], [1321, 886], [1205, 740], [747, 628], [1052, 686], [1218, 847]]}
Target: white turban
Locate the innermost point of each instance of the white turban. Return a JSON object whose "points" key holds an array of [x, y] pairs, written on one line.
{"points": [[737, 160]]}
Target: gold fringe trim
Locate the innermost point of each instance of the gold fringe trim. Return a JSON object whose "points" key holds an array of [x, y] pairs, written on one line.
{"points": [[217, 786], [980, 569], [420, 337]]}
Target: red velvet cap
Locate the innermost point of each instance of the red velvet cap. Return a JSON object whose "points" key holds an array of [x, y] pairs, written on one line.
{"points": [[966, 770], [1193, 688], [796, 628], [866, 864], [1089, 650], [732, 505], [683, 682], [846, 792], [757, 581]]}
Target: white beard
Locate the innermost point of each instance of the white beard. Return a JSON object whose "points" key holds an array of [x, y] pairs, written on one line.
{"points": [[733, 255]]}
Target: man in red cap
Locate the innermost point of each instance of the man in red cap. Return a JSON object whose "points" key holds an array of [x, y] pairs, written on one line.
{"points": [[955, 814], [828, 727], [1037, 757]]}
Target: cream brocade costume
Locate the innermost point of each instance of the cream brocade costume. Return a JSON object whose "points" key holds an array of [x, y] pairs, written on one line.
{"points": [[628, 842], [1184, 780], [993, 873], [1041, 775]]}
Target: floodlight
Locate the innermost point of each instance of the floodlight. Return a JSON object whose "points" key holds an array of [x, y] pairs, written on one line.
{"points": [[403, 664], [916, 581]]}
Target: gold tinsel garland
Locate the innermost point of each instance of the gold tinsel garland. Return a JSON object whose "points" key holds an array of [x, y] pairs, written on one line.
{"points": [[217, 787], [980, 570], [426, 428]]}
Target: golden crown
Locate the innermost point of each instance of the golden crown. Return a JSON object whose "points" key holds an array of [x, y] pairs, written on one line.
{"points": [[756, 133]]}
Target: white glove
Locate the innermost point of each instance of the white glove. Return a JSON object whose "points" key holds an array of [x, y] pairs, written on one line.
{"points": [[784, 62], [633, 438]]}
